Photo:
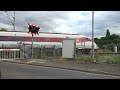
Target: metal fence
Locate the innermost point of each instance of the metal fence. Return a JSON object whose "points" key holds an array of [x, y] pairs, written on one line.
{"points": [[46, 51], [23, 51], [109, 49], [9, 53]]}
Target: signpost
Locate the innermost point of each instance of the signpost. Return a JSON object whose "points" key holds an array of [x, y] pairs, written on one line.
{"points": [[33, 29], [32, 48]]}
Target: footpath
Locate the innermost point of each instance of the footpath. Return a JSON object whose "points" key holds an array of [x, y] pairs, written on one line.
{"points": [[107, 69]]}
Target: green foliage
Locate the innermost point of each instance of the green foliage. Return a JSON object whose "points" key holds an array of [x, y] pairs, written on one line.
{"points": [[36, 53], [3, 29], [99, 59], [96, 40], [109, 40], [113, 60]]}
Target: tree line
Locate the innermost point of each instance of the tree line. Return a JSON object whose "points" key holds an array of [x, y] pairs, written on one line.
{"points": [[3, 29], [108, 41]]}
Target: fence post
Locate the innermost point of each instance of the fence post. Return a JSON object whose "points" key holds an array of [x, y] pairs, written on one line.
{"points": [[2, 54], [9, 55], [105, 49], [41, 51], [21, 51], [17, 54], [53, 50], [14, 54]]}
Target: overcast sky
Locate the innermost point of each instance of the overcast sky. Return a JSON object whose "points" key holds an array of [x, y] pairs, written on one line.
{"points": [[73, 22]]}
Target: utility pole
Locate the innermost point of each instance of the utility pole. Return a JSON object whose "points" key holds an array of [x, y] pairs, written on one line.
{"points": [[33, 29], [32, 48], [8, 16], [14, 20], [93, 35]]}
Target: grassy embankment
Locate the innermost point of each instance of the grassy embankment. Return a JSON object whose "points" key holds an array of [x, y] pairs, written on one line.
{"points": [[111, 59]]}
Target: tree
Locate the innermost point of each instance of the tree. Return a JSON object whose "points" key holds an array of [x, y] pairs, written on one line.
{"points": [[3, 29], [107, 33], [114, 36], [96, 40]]}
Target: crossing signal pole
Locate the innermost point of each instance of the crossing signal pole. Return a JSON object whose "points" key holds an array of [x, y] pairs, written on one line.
{"points": [[33, 29], [32, 48]]}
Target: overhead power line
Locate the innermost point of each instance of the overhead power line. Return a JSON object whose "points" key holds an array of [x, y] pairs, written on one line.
{"points": [[8, 16]]}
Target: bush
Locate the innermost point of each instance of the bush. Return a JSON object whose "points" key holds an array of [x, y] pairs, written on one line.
{"points": [[99, 59]]}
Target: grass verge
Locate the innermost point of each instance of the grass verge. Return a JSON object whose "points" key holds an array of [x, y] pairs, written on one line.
{"points": [[98, 59]]}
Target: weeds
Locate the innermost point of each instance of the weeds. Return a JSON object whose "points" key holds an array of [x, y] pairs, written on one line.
{"points": [[99, 59]]}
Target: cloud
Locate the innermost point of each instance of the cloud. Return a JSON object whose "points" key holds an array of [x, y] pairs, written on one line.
{"points": [[107, 20], [74, 22]]}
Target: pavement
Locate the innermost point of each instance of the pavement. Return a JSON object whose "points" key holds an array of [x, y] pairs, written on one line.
{"points": [[107, 69], [23, 71]]}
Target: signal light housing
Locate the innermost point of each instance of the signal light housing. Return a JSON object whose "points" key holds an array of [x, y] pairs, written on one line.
{"points": [[33, 29]]}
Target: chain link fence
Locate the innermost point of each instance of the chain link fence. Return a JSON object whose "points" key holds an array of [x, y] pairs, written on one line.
{"points": [[51, 51], [46, 51], [112, 48]]}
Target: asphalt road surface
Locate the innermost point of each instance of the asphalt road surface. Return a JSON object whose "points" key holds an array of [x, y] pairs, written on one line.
{"points": [[22, 71]]}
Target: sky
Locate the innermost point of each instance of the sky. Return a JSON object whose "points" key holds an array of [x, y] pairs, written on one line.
{"points": [[72, 22]]}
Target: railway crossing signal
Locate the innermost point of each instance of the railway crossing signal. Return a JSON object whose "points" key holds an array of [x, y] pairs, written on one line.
{"points": [[33, 29]]}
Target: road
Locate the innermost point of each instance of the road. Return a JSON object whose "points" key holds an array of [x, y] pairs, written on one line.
{"points": [[22, 71]]}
